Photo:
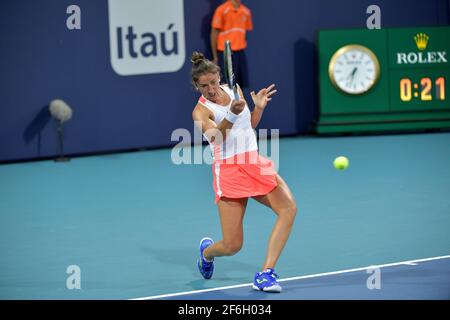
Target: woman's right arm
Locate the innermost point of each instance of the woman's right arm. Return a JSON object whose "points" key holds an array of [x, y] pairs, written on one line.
{"points": [[216, 133]]}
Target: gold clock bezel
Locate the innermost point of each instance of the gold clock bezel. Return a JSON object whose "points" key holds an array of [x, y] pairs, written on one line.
{"points": [[342, 51]]}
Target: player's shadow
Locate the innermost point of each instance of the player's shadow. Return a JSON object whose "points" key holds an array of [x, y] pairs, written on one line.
{"points": [[187, 259], [170, 256]]}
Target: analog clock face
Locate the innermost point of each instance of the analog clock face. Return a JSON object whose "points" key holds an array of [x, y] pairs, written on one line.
{"points": [[354, 69]]}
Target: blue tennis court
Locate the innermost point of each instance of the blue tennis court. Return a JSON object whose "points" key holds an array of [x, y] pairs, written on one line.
{"points": [[131, 222]]}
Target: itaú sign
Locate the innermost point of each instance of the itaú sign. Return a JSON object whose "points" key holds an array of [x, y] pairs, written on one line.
{"points": [[146, 36]]}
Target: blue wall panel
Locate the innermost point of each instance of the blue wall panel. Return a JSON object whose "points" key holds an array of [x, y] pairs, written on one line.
{"points": [[40, 60]]}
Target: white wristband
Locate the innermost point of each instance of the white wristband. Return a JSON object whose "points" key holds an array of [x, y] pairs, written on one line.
{"points": [[231, 116]]}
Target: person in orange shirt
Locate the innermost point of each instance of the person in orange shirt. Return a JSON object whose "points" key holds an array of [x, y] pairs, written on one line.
{"points": [[231, 21]]}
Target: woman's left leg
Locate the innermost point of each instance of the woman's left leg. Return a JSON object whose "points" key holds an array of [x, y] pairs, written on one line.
{"points": [[282, 202]]}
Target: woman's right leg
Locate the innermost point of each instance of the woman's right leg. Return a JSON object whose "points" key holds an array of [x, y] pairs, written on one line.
{"points": [[231, 213]]}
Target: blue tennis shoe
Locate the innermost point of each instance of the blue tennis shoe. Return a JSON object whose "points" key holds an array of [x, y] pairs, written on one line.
{"points": [[206, 268], [266, 281]]}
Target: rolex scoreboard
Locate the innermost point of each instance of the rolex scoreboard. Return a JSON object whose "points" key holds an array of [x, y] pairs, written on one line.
{"points": [[384, 79]]}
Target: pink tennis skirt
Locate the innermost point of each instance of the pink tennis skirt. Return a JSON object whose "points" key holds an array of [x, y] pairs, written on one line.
{"points": [[244, 175]]}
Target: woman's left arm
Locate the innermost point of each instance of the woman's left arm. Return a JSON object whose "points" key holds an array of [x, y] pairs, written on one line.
{"points": [[260, 100]]}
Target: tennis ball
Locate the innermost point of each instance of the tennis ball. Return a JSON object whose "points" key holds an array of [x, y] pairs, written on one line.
{"points": [[341, 163]]}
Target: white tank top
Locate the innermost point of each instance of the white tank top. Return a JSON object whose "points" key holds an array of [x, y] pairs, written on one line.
{"points": [[241, 138]]}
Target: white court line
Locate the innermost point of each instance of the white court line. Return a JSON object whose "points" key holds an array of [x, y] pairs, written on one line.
{"points": [[410, 262]]}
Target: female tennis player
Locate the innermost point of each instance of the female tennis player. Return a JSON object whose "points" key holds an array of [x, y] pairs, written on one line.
{"points": [[239, 171]]}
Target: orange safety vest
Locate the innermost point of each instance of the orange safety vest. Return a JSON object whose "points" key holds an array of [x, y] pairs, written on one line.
{"points": [[232, 25]]}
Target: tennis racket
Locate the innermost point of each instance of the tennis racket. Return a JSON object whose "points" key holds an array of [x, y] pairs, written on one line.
{"points": [[228, 72]]}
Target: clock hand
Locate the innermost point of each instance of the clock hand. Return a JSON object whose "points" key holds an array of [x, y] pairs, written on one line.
{"points": [[353, 74]]}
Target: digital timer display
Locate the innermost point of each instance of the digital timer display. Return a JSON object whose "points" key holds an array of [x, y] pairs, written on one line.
{"points": [[417, 89], [427, 89]]}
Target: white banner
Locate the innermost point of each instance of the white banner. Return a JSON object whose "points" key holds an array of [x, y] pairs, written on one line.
{"points": [[146, 36]]}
